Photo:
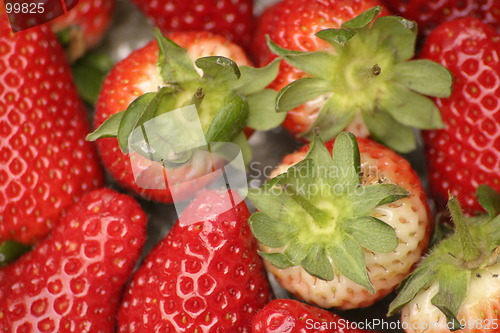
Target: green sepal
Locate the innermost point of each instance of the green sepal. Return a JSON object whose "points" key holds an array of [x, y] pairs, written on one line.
{"points": [[173, 61], [320, 154], [398, 35], [315, 63], [388, 131], [420, 279], [346, 161], [365, 199], [425, 77], [296, 253], [411, 109], [336, 36], [453, 285], [229, 120], [218, 68], [333, 118], [108, 129], [262, 114], [299, 92], [89, 72], [470, 250], [317, 263], [368, 228], [11, 250], [363, 19], [246, 149], [489, 200], [268, 231], [278, 260], [273, 202], [349, 259], [253, 79]]}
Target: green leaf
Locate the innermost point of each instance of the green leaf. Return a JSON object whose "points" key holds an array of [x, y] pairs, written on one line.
{"points": [[373, 234], [174, 62], [416, 282], [89, 73], [218, 68], [317, 263], [425, 77], [246, 149], [363, 19], [317, 63], [336, 36], [489, 200], [346, 161], [470, 249], [270, 232], [141, 110], [366, 198], [389, 132], [278, 260], [452, 292], [410, 108], [398, 35], [108, 129], [11, 250], [300, 92], [349, 259], [229, 120], [262, 114], [253, 80], [332, 119], [273, 202]]}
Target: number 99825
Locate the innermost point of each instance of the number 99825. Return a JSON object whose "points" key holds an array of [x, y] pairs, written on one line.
{"points": [[24, 8]]}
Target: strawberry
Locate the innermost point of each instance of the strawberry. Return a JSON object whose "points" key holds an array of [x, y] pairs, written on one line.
{"points": [[467, 151], [83, 27], [230, 18], [341, 232], [205, 276], [227, 99], [45, 163], [429, 14], [457, 285], [286, 316], [71, 282], [355, 75]]}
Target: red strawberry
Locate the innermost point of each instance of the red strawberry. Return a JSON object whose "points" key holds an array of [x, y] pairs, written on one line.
{"points": [[287, 316], [83, 27], [205, 276], [354, 75], [457, 285], [147, 72], [45, 163], [429, 14], [341, 232], [230, 18], [466, 152], [71, 282]]}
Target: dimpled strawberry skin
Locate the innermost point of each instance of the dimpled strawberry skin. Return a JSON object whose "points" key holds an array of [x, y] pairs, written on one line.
{"points": [[45, 162], [72, 281]]}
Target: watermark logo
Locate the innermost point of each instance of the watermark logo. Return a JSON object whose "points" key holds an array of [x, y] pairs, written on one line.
{"points": [[24, 14]]}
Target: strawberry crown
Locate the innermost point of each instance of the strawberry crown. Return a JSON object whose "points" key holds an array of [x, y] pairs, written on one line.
{"points": [[228, 98], [471, 249], [317, 214], [368, 72]]}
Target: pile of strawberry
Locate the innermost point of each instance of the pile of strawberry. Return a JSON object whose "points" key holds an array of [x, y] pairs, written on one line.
{"points": [[341, 223]]}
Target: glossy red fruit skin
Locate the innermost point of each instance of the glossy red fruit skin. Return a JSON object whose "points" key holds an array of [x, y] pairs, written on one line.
{"points": [[466, 153], [136, 70], [429, 14], [292, 24], [72, 281], [287, 316], [45, 162], [206, 275], [230, 18]]}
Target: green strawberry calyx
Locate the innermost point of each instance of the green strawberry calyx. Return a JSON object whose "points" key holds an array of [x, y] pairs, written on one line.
{"points": [[11, 250], [469, 251], [317, 214], [368, 71], [228, 98]]}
